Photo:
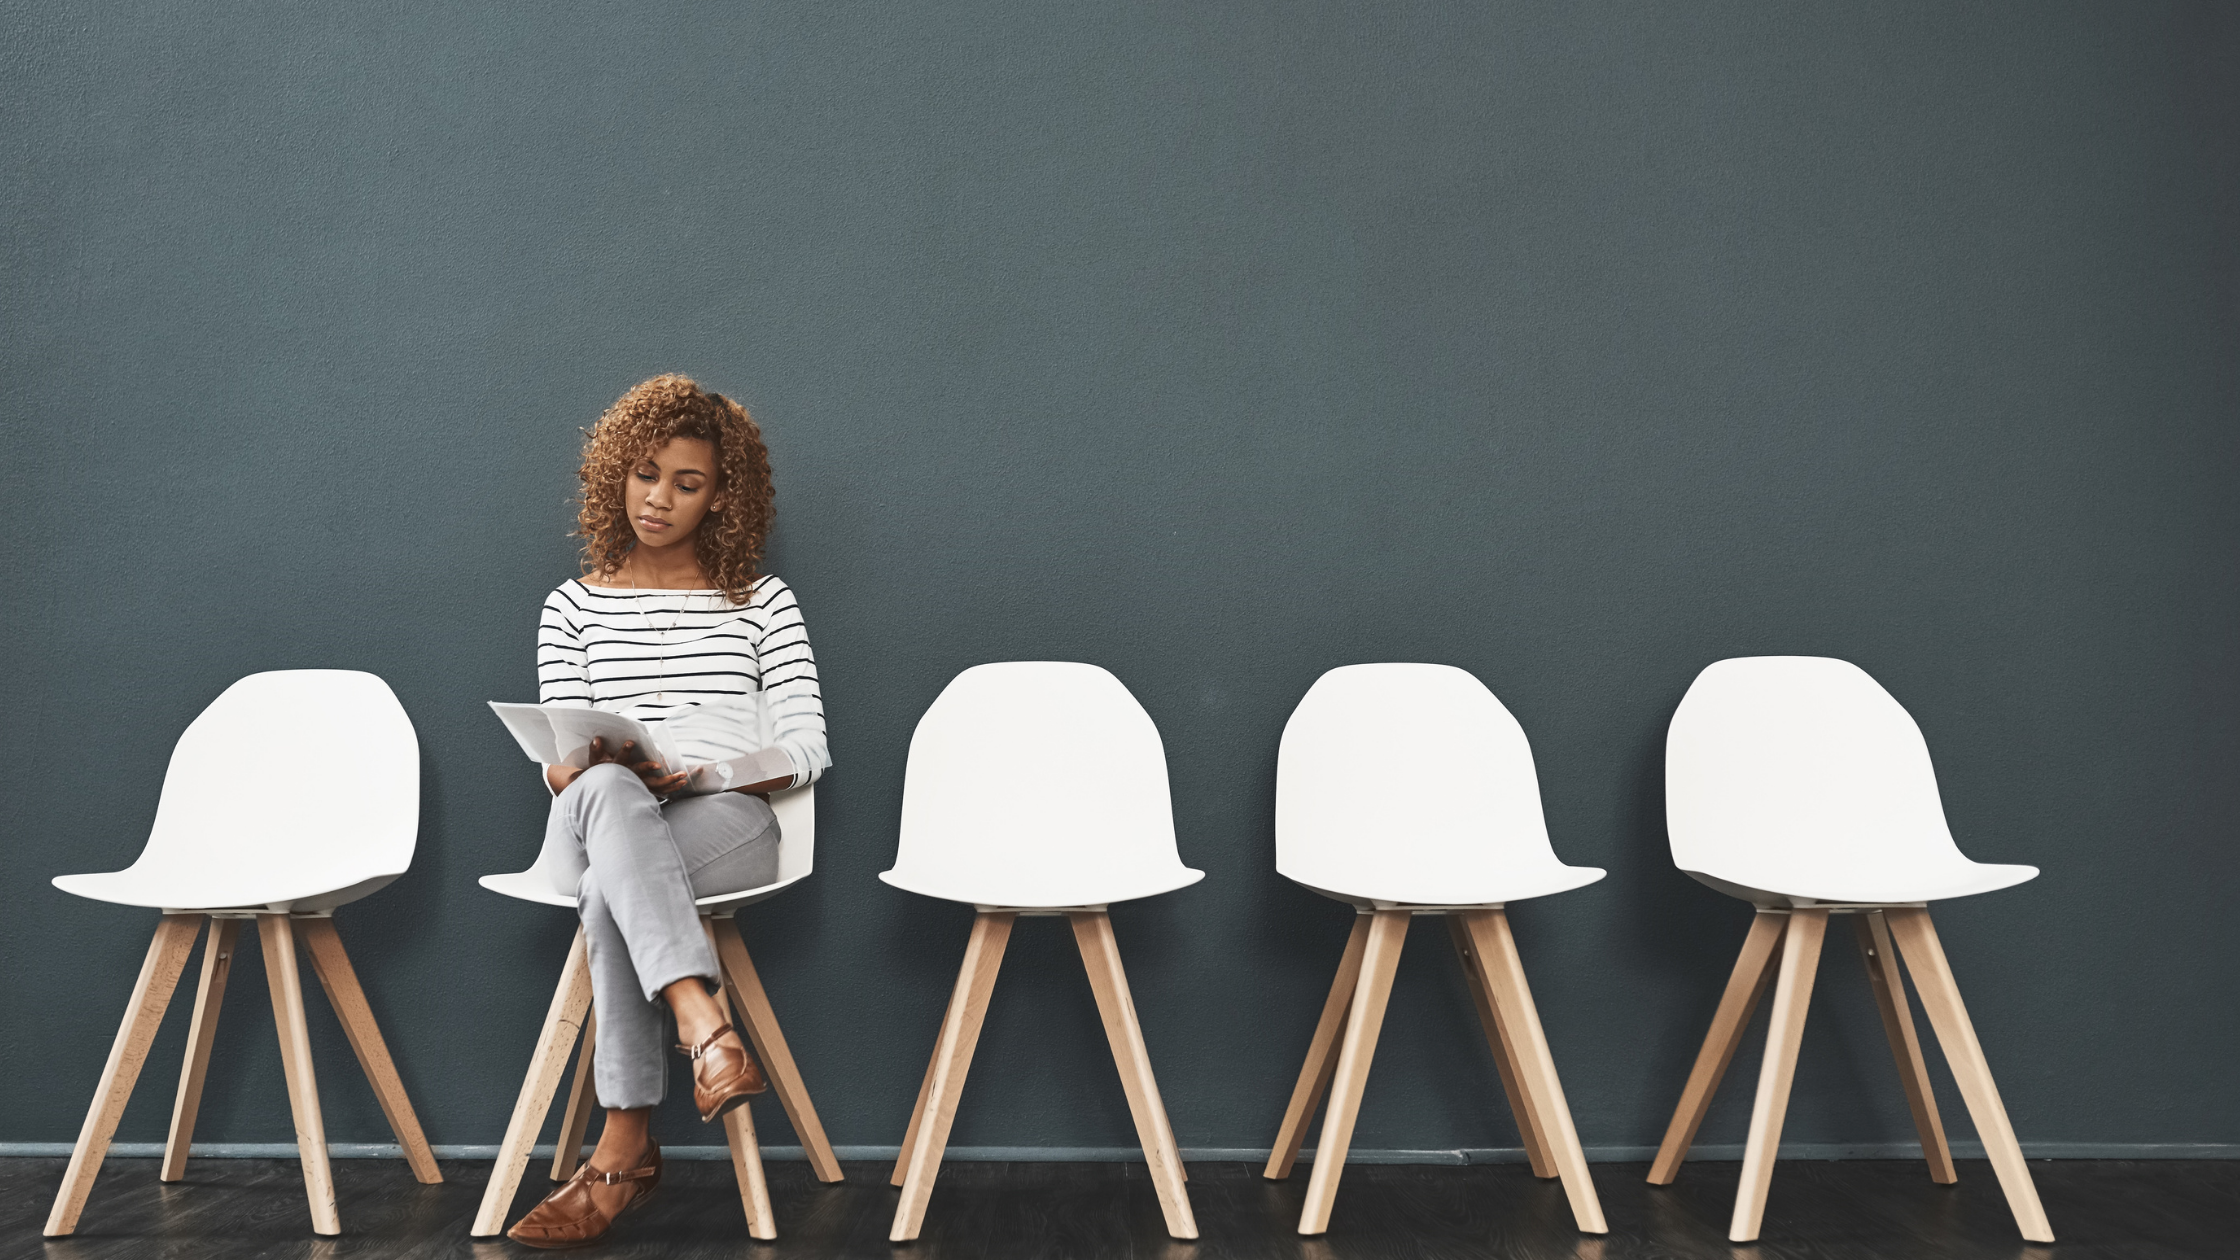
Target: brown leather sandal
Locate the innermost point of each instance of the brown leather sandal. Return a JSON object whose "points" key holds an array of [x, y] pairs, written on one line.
{"points": [[570, 1217], [724, 1074]]}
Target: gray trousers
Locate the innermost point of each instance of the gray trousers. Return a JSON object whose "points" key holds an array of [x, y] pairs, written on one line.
{"points": [[639, 864]]}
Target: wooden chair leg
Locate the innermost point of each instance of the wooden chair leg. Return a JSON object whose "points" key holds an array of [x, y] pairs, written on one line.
{"points": [[738, 1123], [583, 1099], [331, 963], [917, 1116], [143, 1014], [209, 996], [1100, 956], [276, 932], [952, 1058], [1380, 956], [746, 1169], [1322, 1055], [1519, 1018], [1504, 1055], [1753, 967], [1792, 996], [1881, 961], [753, 1006], [1940, 1000], [563, 1021]]}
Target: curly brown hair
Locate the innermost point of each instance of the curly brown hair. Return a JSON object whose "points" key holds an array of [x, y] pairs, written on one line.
{"points": [[730, 539]]}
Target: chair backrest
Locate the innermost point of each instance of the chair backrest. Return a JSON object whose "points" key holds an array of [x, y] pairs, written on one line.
{"points": [[1036, 783], [307, 778], [1781, 766], [1461, 816], [796, 809]]}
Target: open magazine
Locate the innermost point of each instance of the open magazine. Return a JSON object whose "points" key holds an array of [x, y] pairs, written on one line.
{"points": [[720, 745]]}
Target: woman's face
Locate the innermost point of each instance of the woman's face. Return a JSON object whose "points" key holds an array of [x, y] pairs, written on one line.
{"points": [[670, 491]]}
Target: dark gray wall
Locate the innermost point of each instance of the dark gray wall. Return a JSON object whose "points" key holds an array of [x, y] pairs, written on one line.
{"points": [[1578, 346]]}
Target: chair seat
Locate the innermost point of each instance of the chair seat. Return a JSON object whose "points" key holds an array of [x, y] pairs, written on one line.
{"points": [[531, 885], [1486, 890], [528, 885], [1027, 891], [218, 889], [1915, 883]]}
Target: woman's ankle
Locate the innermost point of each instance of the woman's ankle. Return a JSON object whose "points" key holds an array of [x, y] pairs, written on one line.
{"points": [[696, 1010], [622, 1143]]}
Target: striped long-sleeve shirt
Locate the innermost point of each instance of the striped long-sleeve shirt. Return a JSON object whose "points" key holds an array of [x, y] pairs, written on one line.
{"points": [[651, 654]]}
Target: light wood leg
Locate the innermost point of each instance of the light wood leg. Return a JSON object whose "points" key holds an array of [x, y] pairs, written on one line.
{"points": [[276, 932], [1380, 956], [917, 1117], [583, 1099], [209, 996], [1753, 967], [917, 1113], [952, 1058], [563, 1021], [1889, 987], [1940, 1000], [143, 1014], [1792, 995], [1322, 1055], [746, 1169], [1519, 1018], [1504, 1054], [331, 963], [1100, 956], [753, 1005], [738, 1124]]}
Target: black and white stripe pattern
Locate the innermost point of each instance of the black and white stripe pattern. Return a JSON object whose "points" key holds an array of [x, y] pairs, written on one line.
{"points": [[650, 654]]}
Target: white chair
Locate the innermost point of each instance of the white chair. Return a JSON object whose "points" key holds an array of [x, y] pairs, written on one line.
{"points": [[1409, 790], [1037, 788], [295, 792], [1798, 784], [570, 1015]]}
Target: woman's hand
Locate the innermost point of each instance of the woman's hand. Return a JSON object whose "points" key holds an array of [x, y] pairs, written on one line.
{"points": [[628, 757]]}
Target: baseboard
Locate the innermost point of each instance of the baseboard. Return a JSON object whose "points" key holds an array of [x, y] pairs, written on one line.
{"points": [[1200, 1154]]}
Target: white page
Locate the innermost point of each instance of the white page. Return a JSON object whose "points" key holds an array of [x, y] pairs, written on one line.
{"points": [[574, 729], [723, 744], [727, 743], [530, 729], [719, 729]]}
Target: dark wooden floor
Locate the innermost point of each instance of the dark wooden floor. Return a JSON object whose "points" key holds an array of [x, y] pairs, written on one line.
{"points": [[238, 1208]]}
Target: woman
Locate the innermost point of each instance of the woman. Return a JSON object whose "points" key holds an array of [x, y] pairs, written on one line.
{"points": [[670, 613]]}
